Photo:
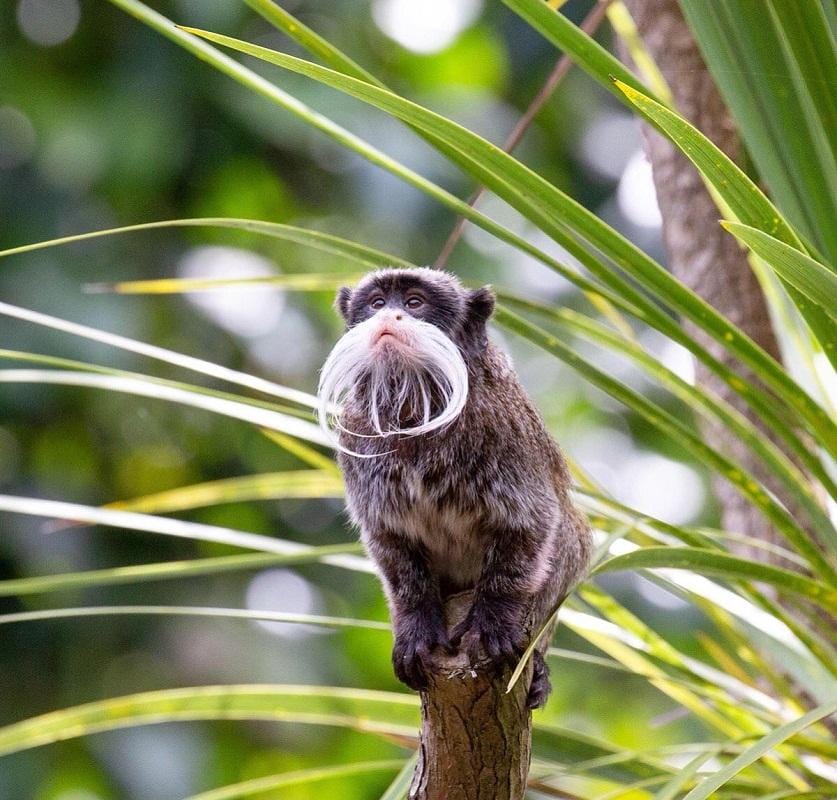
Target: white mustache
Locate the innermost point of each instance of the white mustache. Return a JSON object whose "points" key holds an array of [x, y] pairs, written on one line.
{"points": [[427, 364]]}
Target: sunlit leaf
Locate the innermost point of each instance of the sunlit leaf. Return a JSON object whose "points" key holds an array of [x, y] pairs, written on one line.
{"points": [[161, 354], [191, 611], [268, 486], [743, 198], [314, 775], [361, 709], [168, 527], [167, 570], [299, 282], [711, 784], [326, 242], [261, 417], [710, 562], [815, 281]]}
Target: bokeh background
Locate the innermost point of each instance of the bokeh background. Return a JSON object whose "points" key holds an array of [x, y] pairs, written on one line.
{"points": [[105, 123]]}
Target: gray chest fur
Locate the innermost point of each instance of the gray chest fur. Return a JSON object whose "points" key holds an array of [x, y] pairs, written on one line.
{"points": [[451, 536], [397, 495]]}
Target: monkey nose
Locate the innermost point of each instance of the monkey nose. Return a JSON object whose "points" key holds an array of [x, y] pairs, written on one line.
{"points": [[399, 317]]}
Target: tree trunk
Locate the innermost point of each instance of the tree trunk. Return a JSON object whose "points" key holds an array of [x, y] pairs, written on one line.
{"points": [[701, 253], [475, 739]]}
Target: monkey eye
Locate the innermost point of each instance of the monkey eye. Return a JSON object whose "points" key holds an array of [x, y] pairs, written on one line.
{"points": [[414, 302], [377, 303]]}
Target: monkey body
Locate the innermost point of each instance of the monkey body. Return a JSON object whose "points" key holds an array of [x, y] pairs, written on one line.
{"points": [[481, 503]]}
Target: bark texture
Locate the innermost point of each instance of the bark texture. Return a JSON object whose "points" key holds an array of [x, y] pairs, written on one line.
{"points": [[475, 738], [701, 253]]}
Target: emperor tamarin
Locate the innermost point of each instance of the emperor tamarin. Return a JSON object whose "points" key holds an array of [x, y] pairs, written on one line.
{"points": [[450, 473]]}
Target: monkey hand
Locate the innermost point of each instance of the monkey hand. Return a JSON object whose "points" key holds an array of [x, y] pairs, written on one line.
{"points": [[493, 628], [417, 634]]}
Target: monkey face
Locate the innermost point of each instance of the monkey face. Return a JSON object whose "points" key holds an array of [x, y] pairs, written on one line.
{"points": [[425, 294], [401, 363]]}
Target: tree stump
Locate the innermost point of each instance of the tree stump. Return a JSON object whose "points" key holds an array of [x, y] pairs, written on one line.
{"points": [[475, 738]]}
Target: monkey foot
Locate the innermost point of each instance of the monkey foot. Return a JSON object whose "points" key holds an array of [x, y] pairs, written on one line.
{"points": [[540, 687], [415, 640], [492, 629]]}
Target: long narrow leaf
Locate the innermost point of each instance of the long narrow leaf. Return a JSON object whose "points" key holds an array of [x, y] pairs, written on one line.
{"points": [[774, 62], [743, 198], [363, 710], [160, 354], [710, 785], [326, 242], [301, 282], [267, 486], [297, 777], [43, 615], [680, 433], [166, 570], [815, 281], [710, 562], [86, 366], [130, 520], [260, 417]]}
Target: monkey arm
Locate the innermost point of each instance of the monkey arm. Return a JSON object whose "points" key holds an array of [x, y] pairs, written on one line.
{"points": [[515, 567], [415, 603]]}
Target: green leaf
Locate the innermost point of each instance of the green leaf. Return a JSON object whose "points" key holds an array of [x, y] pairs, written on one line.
{"points": [[192, 611], [267, 486], [302, 451], [167, 570], [84, 366], [774, 63], [739, 193], [364, 710], [161, 354], [295, 778], [398, 789], [261, 417], [298, 282], [816, 281], [326, 242], [711, 562], [560, 217], [710, 785], [131, 520]]}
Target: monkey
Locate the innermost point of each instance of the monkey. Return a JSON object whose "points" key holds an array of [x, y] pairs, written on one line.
{"points": [[450, 473]]}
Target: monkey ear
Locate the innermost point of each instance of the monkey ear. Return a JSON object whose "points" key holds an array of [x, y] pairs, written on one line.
{"points": [[480, 304], [342, 301]]}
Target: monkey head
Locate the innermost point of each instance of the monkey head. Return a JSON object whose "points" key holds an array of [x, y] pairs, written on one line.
{"points": [[403, 361]]}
